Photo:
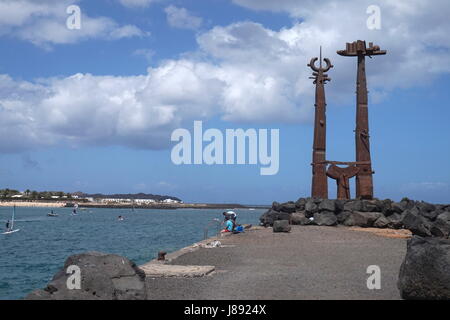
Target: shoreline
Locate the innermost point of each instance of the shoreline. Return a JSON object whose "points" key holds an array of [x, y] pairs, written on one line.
{"points": [[33, 204], [66, 204]]}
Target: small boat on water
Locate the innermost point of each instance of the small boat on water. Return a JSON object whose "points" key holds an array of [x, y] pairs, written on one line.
{"points": [[10, 227], [52, 214]]}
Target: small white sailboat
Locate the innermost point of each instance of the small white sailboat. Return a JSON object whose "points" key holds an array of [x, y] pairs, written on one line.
{"points": [[52, 214], [11, 227]]}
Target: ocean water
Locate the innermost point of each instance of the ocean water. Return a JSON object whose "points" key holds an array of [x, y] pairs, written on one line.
{"points": [[29, 258]]}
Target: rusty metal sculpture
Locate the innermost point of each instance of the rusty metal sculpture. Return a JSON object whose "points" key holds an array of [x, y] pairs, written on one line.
{"points": [[342, 177], [319, 187], [364, 180], [362, 167]]}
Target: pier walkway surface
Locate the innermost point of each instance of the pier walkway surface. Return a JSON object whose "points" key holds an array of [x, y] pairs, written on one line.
{"points": [[310, 262]]}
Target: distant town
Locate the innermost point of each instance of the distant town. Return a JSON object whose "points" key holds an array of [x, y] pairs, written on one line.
{"points": [[130, 199], [33, 198]]}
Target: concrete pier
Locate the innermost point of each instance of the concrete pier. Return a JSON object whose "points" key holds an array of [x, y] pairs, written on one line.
{"points": [[310, 262]]}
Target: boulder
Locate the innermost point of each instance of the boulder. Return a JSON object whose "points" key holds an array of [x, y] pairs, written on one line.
{"points": [[353, 205], [281, 226], [381, 222], [103, 277], [310, 208], [370, 206], [276, 206], [325, 218], [268, 217], [327, 205], [425, 271], [342, 216], [407, 203], [425, 207], [441, 227], [271, 215], [300, 204], [395, 221], [349, 222], [386, 207], [339, 203], [299, 218], [317, 200], [365, 219], [288, 207], [430, 215], [416, 224], [398, 207]]}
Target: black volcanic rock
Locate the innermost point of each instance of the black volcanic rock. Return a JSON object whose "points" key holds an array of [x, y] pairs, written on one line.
{"points": [[381, 222], [340, 205], [325, 218], [299, 218], [281, 226], [395, 221], [288, 207], [103, 277], [276, 206], [310, 208], [370, 206], [300, 204], [398, 207], [342, 216], [365, 219], [420, 217], [416, 224], [356, 205], [327, 205], [441, 227], [270, 216], [425, 271]]}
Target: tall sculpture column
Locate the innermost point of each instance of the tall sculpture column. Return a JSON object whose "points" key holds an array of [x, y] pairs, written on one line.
{"points": [[319, 187], [364, 181]]}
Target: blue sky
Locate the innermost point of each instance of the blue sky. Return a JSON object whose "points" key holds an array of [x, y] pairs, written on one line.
{"points": [[93, 109]]}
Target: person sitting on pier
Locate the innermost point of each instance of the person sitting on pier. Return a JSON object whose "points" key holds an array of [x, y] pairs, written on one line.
{"points": [[229, 225]]}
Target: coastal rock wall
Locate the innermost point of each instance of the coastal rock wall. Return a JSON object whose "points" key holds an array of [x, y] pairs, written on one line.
{"points": [[421, 218]]}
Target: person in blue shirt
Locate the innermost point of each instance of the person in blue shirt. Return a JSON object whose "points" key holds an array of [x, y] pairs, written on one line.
{"points": [[229, 225]]}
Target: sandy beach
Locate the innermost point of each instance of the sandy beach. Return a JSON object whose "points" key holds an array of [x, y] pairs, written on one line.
{"points": [[35, 204]]}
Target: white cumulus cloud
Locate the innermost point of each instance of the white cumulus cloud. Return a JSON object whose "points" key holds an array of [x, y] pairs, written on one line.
{"points": [[242, 72], [182, 18], [43, 23]]}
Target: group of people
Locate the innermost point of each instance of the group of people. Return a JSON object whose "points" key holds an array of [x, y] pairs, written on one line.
{"points": [[230, 222]]}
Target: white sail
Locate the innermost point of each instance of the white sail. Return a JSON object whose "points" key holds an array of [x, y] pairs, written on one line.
{"points": [[11, 227], [12, 219]]}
